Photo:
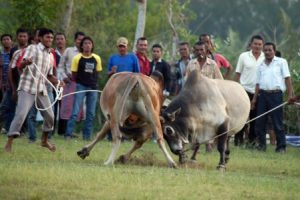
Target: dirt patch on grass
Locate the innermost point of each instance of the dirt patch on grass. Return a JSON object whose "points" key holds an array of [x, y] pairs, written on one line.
{"points": [[149, 159]]}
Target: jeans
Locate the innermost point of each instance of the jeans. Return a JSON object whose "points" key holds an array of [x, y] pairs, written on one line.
{"points": [[91, 100], [7, 109], [266, 102]]}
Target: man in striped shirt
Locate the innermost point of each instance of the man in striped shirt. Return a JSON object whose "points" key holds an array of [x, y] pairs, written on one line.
{"points": [[37, 59]]}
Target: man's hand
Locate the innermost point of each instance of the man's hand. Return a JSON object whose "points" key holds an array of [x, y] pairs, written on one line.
{"points": [[253, 104], [26, 62], [61, 84], [14, 96], [114, 69]]}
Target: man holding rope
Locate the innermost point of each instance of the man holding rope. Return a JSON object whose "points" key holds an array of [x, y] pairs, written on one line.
{"points": [[273, 78], [37, 60]]}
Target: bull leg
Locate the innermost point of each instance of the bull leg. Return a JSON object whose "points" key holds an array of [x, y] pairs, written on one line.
{"points": [[162, 146], [221, 145], [85, 151], [227, 151], [137, 145], [116, 142], [196, 149]]}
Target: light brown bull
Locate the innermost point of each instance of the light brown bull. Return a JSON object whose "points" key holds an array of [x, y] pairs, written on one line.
{"points": [[131, 103]]}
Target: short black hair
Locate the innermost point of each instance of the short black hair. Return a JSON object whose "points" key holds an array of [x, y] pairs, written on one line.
{"points": [[277, 53], [157, 46], [204, 35], [22, 30], [141, 38], [184, 43], [256, 37], [270, 44], [78, 33], [6, 35], [199, 43], [82, 41], [60, 33], [44, 31]]}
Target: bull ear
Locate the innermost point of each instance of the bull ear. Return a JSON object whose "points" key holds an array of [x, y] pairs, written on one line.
{"points": [[172, 116], [162, 119]]}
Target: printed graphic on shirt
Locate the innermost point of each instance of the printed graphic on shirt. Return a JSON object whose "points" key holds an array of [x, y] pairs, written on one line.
{"points": [[89, 67]]}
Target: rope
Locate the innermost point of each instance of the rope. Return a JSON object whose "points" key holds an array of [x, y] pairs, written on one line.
{"points": [[213, 138], [58, 90]]}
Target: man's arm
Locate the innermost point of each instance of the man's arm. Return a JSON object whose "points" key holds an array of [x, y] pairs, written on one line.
{"points": [[254, 99], [227, 74], [55, 81], [237, 76], [288, 83]]}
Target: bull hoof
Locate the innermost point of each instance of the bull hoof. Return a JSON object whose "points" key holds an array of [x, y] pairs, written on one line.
{"points": [[221, 168], [173, 165], [83, 153], [226, 159], [192, 161], [122, 159], [182, 158]]}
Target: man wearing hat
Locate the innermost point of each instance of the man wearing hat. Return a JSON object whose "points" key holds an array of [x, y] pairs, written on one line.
{"points": [[123, 61]]}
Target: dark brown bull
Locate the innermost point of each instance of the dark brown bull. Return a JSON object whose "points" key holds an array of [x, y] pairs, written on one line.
{"points": [[131, 103]]}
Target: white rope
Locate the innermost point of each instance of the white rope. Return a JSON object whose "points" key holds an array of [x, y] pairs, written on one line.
{"points": [[213, 138], [58, 90]]}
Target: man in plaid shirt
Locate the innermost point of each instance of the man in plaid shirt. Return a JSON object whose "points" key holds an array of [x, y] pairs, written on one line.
{"points": [[32, 86]]}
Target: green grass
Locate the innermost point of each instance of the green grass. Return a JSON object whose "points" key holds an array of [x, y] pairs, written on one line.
{"points": [[32, 172]]}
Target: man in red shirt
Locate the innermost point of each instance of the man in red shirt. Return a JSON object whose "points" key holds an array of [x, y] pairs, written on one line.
{"points": [[141, 53]]}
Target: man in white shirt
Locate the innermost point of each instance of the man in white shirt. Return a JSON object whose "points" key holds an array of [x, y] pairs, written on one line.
{"points": [[273, 78], [64, 73], [246, 74]]}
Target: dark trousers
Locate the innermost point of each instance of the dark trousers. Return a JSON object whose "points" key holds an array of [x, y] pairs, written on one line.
{"points": [[251, 135], [266, 102]]}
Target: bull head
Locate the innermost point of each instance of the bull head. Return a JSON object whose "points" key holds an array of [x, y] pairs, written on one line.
{"points": [[172, 134]]}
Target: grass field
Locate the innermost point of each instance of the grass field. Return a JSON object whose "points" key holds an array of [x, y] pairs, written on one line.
{"points": [[32, 172]]}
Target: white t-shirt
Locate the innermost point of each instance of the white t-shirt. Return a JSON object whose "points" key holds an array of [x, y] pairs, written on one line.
{"points": [[247, 67]]}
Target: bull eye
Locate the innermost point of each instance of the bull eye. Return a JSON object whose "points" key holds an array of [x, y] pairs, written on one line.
{"points": [[169, 131]]}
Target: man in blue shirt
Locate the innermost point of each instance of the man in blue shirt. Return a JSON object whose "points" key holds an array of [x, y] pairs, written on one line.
{"points": [[6, 41], [122, 61]]}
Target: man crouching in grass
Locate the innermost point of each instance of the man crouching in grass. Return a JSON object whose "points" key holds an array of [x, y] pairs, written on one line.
{"points": [[31, 89]]}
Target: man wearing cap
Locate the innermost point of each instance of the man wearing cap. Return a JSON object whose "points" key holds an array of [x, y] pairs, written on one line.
{"points": [[123, 61]]}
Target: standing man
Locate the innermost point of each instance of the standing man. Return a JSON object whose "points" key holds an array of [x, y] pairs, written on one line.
{"points": [[64, 73], [180, 66], [30, 89], [141, 53], [246, 74], [273, 78], [221, 61], [85, 71], [6, 41], [123, 61], [202, 63], [8, 104], [206, 67], [162, 66], [60, 44]]}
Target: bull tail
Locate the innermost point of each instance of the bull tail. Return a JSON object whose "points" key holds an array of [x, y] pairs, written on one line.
{"points": [[131, 84]]}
